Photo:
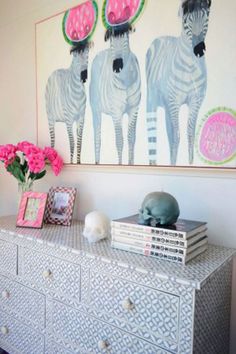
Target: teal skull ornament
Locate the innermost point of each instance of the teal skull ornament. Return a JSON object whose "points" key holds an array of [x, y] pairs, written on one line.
{"points": [[158, 208]]}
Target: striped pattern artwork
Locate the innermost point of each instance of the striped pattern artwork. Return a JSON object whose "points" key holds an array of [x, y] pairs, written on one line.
{"points": [[66, 100], [116, 93], [176, 75]]}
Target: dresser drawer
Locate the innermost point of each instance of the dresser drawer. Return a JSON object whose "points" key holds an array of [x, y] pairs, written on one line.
{"points": [[8, 257], [18, 338], [146, 312], [54, 348], [48, 273], [22, 302], [86, 334]]}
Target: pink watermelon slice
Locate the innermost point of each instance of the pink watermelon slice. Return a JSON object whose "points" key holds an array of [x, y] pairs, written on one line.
{"points": [[118, 12], [217, 136], [79, 22]]}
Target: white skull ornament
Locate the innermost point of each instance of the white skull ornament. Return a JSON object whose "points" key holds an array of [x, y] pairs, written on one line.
{"points": [[97, 226]]}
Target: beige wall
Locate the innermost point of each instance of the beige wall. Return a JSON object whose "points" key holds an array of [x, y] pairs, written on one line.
{"points": [[206, 195]]}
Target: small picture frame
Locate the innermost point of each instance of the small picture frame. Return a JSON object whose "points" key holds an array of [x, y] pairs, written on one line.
{"points": [[31, 210], [60, 205]]}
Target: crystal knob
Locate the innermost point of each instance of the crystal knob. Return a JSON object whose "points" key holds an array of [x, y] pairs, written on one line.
{"points": [[47, 273], [4, 330], [127, 304], [102, 344], [5, 294]]}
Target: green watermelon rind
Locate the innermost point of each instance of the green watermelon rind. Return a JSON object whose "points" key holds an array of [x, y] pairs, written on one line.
{"points": [[141, 8], [108, 26], [206, 116], [95, 6]]}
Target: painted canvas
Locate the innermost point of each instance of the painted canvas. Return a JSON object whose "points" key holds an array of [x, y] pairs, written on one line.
{"points": [[139, 82]]}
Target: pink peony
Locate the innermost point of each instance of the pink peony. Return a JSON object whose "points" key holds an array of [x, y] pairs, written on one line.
{"points": [[34, 157], [50, 153], [55, 160], [36, 161], [7, 153], [57, 165], [24, 146]]}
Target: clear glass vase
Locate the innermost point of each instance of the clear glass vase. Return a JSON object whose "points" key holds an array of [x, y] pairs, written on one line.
{"points": [[24, 187]]}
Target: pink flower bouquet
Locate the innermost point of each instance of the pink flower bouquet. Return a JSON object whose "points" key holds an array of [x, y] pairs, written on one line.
{"points": [[27, 162]]}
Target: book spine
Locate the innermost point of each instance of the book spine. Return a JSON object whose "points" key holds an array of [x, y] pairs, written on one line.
{"points": [[149, 230], [149, 245], [116, 232], [149, 252]]}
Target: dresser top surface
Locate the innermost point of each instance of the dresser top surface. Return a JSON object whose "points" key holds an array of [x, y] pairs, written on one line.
{"points": [[70, 238]]}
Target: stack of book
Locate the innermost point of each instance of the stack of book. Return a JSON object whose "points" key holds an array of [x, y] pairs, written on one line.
{"points": [[179, 243]]}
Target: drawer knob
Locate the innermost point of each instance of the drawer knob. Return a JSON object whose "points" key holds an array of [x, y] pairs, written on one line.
{"points": [[4, 330], [127, 304], [102, 344], [47, 273], [5, 294]]}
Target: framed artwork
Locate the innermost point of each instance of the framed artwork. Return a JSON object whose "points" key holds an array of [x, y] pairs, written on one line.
{"points": [[31, 210], [139, 82], [60, 205]]}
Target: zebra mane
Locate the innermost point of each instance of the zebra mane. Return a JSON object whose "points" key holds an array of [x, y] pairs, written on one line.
{"points": [[189, 6], [81, 46], [118, 31]]}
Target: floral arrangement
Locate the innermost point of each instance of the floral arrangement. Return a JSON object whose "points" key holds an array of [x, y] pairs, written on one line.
{"points": [[27, 162]]}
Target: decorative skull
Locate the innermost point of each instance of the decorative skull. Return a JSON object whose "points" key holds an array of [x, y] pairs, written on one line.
{"points": [[158, 208], [97, 226]]}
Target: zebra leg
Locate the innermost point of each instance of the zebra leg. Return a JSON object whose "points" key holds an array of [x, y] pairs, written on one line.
{"points": [[192, 119], [71, 141], [151, 120], [172, 128], [152, 137], [132, 135], [80, 128], [119, 138], [52, 134], [97, 117]]}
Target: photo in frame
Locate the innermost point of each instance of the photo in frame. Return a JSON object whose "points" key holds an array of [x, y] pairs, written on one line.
{"points": [[60, 205], [31, 210]]}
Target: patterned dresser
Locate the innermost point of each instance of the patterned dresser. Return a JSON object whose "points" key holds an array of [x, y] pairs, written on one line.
{"points": [[60, 295]]}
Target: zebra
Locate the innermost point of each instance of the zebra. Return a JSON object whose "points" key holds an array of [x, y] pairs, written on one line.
{"points": [[176, 75], [66, 98], [115, 90]]}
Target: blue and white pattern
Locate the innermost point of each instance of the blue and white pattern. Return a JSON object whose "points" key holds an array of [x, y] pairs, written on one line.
{"points": [[66, 99], [115, 90], [8, 253], [81, 302], [24, 304], [20, 337], [176, 75], [84, 333], [220, 296]]}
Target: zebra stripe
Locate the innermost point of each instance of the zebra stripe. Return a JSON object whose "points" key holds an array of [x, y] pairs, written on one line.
{"points": [[151, 133], [66, 100], [115, 93], [176, 76]]}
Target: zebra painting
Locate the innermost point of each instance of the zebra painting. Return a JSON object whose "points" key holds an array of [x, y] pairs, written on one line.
{"points": [[176, 75], [65, 92], [115, 87], [66, 99]]}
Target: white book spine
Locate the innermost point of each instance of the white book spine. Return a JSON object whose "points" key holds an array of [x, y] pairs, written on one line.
{"points": [[149, 252], [148, 237], [148, 245], [160, 255], [158, 246], [168, 241], [150, 230]]}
